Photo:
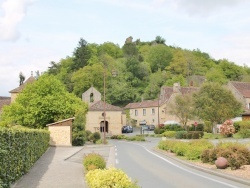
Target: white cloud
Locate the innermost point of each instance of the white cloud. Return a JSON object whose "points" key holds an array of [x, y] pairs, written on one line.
{"points": [[14, 12]]}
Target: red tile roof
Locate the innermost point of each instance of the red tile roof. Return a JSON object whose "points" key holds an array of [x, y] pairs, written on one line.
{"points": [[242, 87], [167, 91], [99, 106], [21, 87], [143, 104], [4, 101]]}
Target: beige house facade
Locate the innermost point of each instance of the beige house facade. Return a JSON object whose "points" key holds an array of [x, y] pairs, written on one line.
{"points": [[115, 117], [157, 111], [241, 91]]}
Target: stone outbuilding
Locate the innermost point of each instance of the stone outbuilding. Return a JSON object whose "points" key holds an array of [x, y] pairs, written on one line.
{"points": [[61, 132]]}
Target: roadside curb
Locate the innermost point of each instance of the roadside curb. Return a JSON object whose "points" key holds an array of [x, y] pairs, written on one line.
{"points": [[213, 172]]}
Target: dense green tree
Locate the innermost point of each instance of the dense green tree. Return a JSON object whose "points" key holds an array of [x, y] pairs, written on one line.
{"points": [[86, 77], [81, 55], [216, 104], [159, 56], [176, 79], [64, 72], [156, 80], [130, 49], [216, 75], [160, 40], [54, 68], [42, 102], [79, 136], [111, 49], [230, 70]]}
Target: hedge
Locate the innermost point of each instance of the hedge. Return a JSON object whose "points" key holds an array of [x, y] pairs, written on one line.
{"points": [[19, 150]]}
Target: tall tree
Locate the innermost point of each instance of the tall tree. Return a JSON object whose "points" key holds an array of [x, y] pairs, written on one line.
{"points": [[81, 55], [183, 108], [216, 104], [42, 102]]}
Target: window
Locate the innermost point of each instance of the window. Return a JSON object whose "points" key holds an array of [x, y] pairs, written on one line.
{"points": [[91, 97], [136, 112], [153, 111], [144, 112]]}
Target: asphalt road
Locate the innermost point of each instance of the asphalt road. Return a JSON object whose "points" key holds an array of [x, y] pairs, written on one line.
{"points": [[152, 170]]}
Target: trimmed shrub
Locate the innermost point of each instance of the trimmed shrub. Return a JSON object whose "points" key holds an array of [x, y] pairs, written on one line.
{"points": [[94, 161], [244, 129], [179, 134], [237, 126], [173, 127], [199, 127], [111, 177], [25, 146], [158, 130], [95, 136], [235, 153], [205, 156], [79, 138], [135, 138], [169, 134], [188, 135], [180, 148], [196, 147]]}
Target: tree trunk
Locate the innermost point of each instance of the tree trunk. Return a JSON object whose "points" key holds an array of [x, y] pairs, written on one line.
{"points": [[214, 128]]}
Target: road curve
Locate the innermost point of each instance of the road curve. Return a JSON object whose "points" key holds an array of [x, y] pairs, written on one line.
{"points": [[153, 170]]}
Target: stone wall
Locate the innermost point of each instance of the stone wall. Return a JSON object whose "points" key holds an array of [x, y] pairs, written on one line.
{"points": [[60, 135]]}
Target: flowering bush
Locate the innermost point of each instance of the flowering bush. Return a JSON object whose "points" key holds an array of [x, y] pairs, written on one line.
{"points": [[109, 178], [227, 128]]}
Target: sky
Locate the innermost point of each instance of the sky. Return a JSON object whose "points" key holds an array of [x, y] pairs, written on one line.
{"points": [[35, 32]]}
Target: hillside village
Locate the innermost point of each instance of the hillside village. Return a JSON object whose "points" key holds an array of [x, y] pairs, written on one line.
{"points": [[145, 112]]}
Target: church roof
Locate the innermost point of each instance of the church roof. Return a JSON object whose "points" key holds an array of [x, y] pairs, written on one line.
{"points": [[99, 106]]}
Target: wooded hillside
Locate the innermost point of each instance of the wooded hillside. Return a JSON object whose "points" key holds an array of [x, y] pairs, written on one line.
{"points": [[138, 69]]}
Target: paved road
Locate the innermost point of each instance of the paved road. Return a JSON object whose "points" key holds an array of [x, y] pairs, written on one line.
{"points": [[154, 170]]}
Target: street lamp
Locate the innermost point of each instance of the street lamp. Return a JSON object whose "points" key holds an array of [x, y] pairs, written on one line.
{"points": [[104, 110], [114, 74]]}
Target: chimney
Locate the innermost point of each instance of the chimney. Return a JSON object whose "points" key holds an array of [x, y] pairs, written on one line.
{"points": [[176, 87]]}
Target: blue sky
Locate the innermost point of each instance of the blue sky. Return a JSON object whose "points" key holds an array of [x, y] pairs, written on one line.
{"points": [[35, 32]]}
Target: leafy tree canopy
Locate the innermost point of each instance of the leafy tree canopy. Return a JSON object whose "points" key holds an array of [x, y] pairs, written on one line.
{"points": [[159, 57], [42, 102], [215, 103]]}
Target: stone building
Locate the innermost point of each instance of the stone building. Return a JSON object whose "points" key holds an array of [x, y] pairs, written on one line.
{"points": [[157, 111], [114, 119], [61, 132]]}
